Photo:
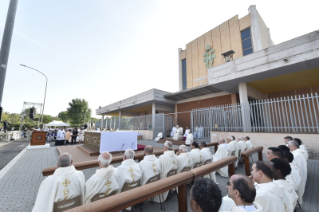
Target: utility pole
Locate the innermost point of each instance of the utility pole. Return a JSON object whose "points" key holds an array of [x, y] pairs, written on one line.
{"points": [[5, 46]]}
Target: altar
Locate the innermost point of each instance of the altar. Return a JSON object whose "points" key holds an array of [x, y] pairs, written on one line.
{"points": [[110, 141]]}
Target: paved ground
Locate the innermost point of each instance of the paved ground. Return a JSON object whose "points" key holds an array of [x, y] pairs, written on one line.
{"points": [[8, 150], [19, 186]]}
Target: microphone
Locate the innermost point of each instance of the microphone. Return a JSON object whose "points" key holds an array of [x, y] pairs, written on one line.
{"points": [[132, 145], [122, 146]]}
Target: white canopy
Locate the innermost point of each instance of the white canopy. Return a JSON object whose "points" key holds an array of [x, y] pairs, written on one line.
{"points": [[57, 124]]}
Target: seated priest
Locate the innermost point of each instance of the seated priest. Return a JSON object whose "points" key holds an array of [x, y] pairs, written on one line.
{"points": [[189, 139], [287, 139], [129, 171], [301, 162], [195, 154], [241, 195], [186, 133], [221, 153], [66, 183], [159, 136], [301, 146], [183, 159], [103, 181], [281, 170], [295, 175], [269, 195], [241, 144], [168, 161], [233, 147], [249, 145], [207, 156], [150, 165]]}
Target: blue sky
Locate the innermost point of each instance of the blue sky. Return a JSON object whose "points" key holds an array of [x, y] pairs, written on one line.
{"points": [[105, 51]]}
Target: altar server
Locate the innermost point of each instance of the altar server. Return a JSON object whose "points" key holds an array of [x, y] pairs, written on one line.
{"points": [[150, 165], [173, 131], [300, 160], [186, 133], [103, 181], [66, 183], [207, 156], [195, 153], [129, 171], [222, 153], [183, 158], [159, 136], [189, 138], [249, 145], [233, 147], [268, 194], [168, 161]]}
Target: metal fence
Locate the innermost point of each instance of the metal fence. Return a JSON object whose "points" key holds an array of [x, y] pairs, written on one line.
{"points": [[127, 123], [295, 114]]}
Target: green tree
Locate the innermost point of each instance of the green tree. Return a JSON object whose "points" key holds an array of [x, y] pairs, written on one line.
{"points": [[63, 116], [47, 119], [77, 110]]}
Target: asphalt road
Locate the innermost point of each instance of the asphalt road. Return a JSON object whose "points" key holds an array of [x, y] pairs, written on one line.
{"points": [[10, 150]]}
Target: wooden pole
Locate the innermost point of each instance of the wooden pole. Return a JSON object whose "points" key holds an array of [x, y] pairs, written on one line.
{"points": [[247, 165], [182, 198]]}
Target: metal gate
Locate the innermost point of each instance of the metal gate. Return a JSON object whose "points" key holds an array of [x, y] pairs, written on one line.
{"points": [[159, 124], [201, 124]]}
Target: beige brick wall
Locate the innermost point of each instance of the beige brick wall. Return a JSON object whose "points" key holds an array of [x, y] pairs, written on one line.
{"points": [[275, 139], [244, 22]]}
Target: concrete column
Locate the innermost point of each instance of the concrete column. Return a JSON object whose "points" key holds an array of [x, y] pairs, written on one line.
{"points": [[120, 116], [102, 122], [180, 74], [153, 116], [175, 114], [243, 98], [255, 29]]}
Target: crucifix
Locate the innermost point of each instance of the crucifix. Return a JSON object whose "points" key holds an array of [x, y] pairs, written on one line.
{"points": [[200, 79]]}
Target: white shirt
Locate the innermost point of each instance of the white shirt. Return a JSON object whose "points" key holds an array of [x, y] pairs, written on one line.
{"points": [[150, 167]]}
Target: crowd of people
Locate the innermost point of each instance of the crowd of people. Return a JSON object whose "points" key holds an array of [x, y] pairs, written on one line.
{"points": [[274, 185]]}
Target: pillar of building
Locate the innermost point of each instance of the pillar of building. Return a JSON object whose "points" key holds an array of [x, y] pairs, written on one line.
{"points": [[180, 74], [175, 114], [255, 29], [120, 117], [245, 110], [102, 122], [153, 116]]}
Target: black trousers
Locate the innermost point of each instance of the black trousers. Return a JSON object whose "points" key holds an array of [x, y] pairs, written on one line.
{"points": [[73, 139]]}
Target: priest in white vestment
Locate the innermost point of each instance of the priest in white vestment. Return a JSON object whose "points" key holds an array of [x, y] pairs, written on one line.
{"points": [[195, 153], [66, 183], [233, 147], [186, 133], [150, 165], [189, 139], [249, 145], [180, 132], [168, 161], [103, 181], [129, 171], [295, 175], [221, 153], [173, 131], [207, 156], [176, 133], [241, 195], [183, 159], [159, 136], [269, 195], [300, 160], [301, 146], [241, 144]]}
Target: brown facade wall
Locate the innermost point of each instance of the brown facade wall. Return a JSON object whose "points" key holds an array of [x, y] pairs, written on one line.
{"points": [[184, 119]]}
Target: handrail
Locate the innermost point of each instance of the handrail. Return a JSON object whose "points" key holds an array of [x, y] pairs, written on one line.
{"points": [[214, 144], [132, 197], [250, 152]]}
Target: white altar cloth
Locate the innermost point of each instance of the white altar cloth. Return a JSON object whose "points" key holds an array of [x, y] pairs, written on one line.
{"points": [[118, 141]]}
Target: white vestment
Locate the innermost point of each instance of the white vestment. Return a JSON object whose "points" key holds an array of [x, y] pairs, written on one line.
{"points": [[271, 197], [305, 149], [242, 145], [173, 131], [159, 136], [103, 181], [150, 167], [168, 161], [301, 162], [290, 192], [221, 153], [180, 130], [295, 175], [60, 135], [80, 135], [189, 139], [65, 183], [196, 156], [207, 155], [228, 205], [186, 132], [233, 149], [128, 172], [249, 145], [176, 135], [184, 160]]}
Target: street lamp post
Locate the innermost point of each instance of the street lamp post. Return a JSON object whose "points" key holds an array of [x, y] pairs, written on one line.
{"points": [[45, 92]]}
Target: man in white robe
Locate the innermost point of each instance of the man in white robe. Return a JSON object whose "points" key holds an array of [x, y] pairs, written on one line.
{"points": [[66, 183], [233, 148], [241, 144], [221, 153], [129, 171], [269, 195], [207, 156], [300, 160], [301, 146], [241, 195], [60, 138], [150, 165], [195, 154], [189, 140], [249, 145], [295, 175], [180, 133], [168, 161], [183, 159], [159, 136], [186, 133], [103, 181], [176, 133], [173, 131]]}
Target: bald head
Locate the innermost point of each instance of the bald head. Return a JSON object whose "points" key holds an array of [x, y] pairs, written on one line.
{"points": [[245, 186], [148, 150], [65, 160], [105, 159]]}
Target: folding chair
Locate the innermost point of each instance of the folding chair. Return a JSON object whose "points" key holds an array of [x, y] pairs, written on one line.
{"points": [[67, 204], [197, 165], [99, 196], [154, 179], [129, 186]]}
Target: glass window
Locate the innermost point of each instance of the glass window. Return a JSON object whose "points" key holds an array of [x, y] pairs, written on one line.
{"points": [[246, 41], [184, 74]]}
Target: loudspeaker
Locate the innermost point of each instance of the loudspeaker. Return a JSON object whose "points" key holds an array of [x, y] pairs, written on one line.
{"points": [[32, 115]]}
